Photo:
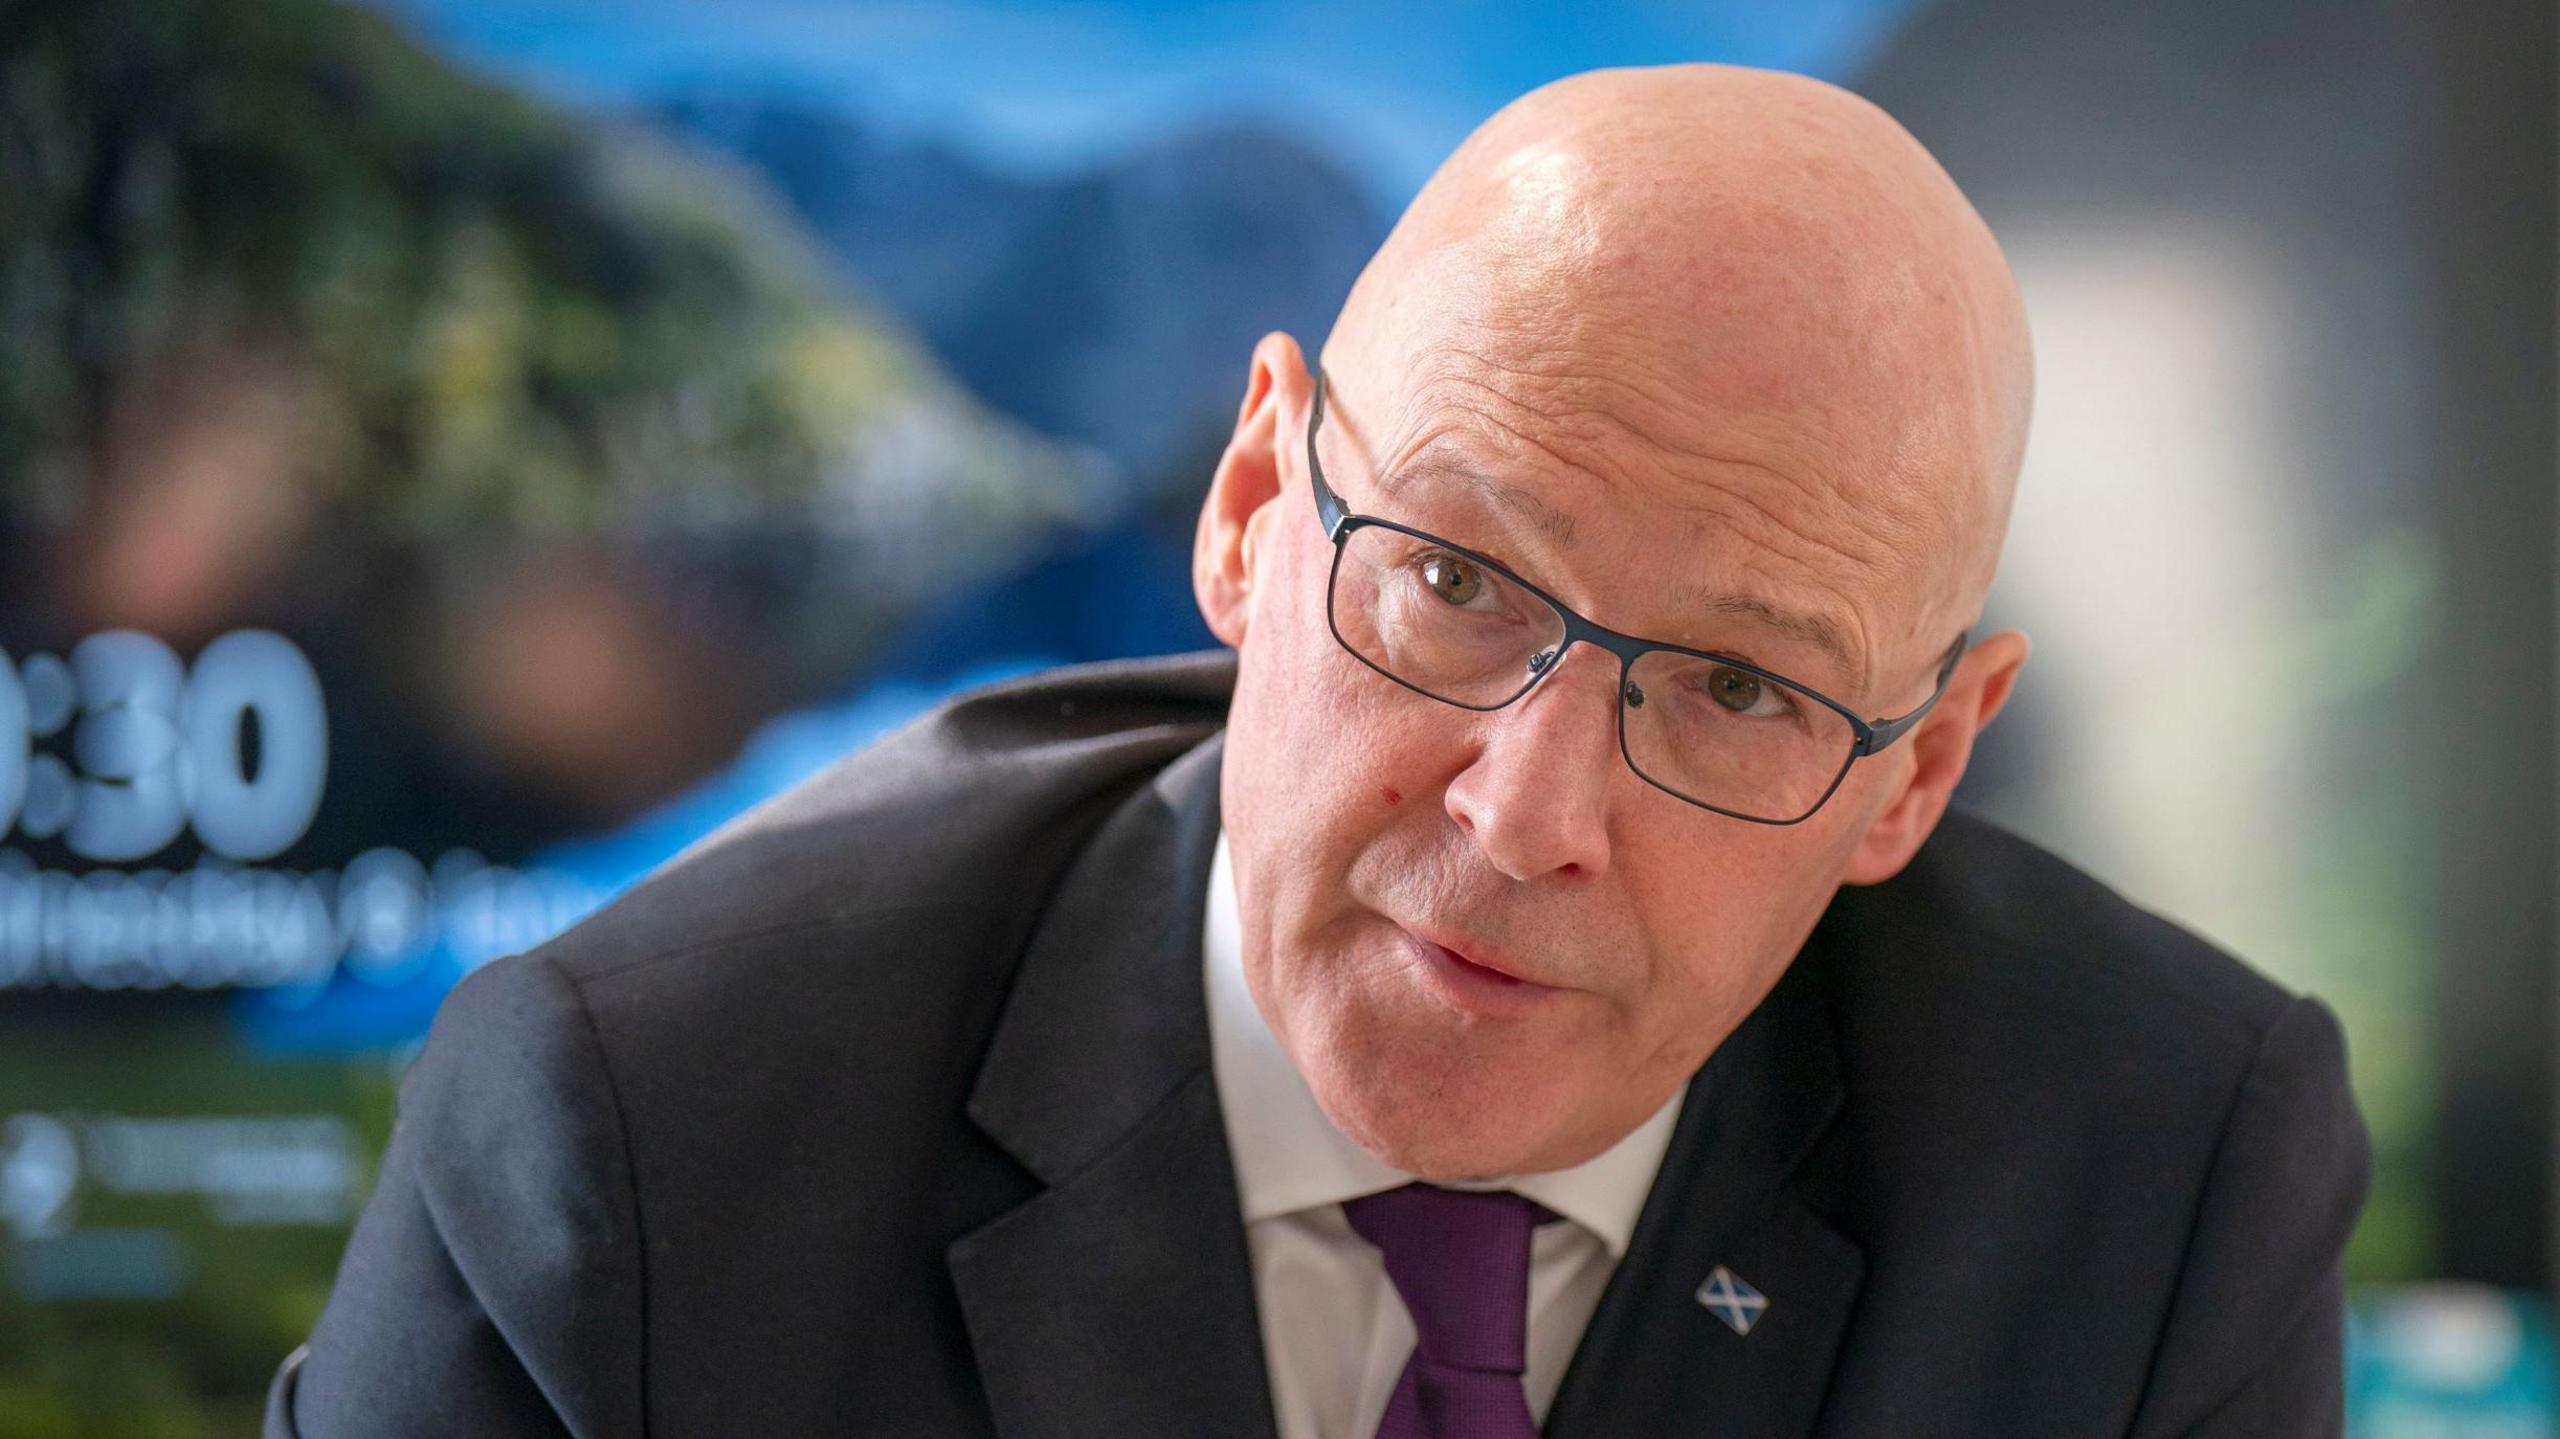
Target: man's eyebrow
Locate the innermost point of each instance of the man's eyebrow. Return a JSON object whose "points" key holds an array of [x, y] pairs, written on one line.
{"points": [[1546, 519], [1815, 630]]}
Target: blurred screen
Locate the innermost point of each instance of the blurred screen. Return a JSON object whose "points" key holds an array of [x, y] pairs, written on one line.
{"points": [[453, 454]]}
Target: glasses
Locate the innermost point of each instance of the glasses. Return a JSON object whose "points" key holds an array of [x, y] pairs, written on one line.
{"points": [[1720, 732]]}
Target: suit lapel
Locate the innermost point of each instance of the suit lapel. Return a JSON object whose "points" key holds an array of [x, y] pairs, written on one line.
{"points": [[1118, 1301], [1657, 1359]]}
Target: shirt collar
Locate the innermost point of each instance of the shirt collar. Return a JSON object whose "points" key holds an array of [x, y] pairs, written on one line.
{"points": [[1289, 1156]]}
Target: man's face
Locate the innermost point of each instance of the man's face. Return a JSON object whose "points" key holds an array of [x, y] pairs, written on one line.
{"points": [[1394, 853]]}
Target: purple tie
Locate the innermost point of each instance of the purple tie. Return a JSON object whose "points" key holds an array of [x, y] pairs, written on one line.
{"points": [[1460, 1259]]}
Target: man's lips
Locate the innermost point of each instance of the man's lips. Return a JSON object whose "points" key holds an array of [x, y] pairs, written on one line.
{"points": [[1482, 956], [1476, 978]]}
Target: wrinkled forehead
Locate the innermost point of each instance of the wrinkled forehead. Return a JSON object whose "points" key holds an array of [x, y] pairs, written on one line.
{"points": [[1749, 315]]}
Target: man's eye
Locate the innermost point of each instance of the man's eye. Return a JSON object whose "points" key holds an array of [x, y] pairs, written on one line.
{"points": [[1453, 579], [1745, 693]]}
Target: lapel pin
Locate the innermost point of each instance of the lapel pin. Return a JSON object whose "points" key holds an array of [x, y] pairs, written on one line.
{"points": [[1729, 1299]]}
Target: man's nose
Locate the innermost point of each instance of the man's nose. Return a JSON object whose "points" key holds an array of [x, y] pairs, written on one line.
{"points": [[1535, 794]]}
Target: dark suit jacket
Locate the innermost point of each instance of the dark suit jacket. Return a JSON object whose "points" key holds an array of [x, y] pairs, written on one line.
{"points": [[888, 1111]]}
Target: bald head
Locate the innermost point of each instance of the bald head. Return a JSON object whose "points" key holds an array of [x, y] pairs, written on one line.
{"points": [[1670, 276]]}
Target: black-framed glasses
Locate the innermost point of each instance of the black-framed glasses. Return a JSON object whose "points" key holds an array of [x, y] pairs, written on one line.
{"points": [[1451, 624]]}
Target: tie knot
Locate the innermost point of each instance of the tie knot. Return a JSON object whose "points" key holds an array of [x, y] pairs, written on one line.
{"points": [[1460, 1260]]}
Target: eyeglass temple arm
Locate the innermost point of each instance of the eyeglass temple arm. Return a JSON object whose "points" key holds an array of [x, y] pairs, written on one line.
{"points": [[1881, 733], [1329, 507]]}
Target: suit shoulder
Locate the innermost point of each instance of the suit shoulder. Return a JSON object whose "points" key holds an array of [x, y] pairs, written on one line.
{"points": [[2000, 1012], [976, 801], [512, 1083], [1983, 912]]}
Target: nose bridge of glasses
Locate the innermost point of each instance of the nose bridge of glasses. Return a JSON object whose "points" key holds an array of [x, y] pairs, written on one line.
{"points": [[1619, 650], [1545, 664]]}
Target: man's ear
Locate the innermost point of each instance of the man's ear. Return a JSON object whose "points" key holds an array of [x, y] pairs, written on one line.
{"points": [[1247, 480], [1941, 745]]}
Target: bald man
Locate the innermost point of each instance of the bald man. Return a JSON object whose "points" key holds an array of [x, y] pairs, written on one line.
{"points": [[1534, 984]]}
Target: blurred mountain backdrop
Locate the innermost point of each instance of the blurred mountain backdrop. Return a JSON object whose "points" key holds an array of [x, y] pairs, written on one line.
{"points": [[1115, 307]]}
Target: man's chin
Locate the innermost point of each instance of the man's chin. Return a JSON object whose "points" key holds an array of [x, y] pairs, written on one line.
{"points": [[1456, 1134]]}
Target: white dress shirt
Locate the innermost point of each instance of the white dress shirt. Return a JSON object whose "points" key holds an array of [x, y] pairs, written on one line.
{"points": [[1335, 1336]]}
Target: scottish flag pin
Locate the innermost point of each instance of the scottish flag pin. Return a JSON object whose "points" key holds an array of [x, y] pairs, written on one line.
{"points": [[1729, 1299]]}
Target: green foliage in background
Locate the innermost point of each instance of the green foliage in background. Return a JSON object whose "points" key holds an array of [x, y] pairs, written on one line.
{"points": [[495, 316], [192, 1367]]}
